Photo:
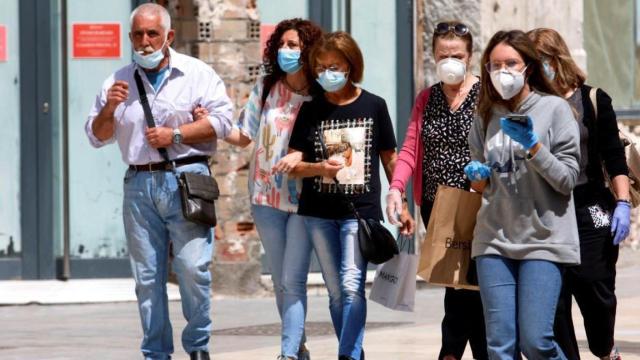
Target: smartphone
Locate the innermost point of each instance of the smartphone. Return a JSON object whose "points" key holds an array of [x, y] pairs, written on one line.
{"points": [[521, 119]]}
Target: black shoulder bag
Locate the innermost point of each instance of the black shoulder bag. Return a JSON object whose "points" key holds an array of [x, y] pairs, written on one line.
{"points": [[376, 243], [198, 192]]}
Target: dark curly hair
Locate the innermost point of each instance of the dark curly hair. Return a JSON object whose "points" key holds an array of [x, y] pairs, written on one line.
{"points": [[309, 33]]}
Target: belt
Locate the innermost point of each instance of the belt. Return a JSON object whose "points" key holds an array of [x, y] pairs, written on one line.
{"points": [[166, 166]]}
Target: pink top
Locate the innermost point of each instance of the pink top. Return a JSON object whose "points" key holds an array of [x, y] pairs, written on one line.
{"points": [[410, 157]]}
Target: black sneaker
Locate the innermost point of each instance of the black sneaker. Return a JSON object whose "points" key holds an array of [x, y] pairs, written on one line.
{"points": [[303, 353]]}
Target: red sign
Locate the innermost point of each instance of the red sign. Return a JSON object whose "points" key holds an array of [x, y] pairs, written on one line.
{"points": [[265, 33], [96, 41], [3, 43]]}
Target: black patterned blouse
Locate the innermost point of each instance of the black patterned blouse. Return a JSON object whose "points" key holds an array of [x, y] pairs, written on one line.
{"points": [[444, 135]]}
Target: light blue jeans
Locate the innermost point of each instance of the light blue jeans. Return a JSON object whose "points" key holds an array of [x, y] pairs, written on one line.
{"points": [[152, 217], [344, 271], [519, 299], [288, 250]]}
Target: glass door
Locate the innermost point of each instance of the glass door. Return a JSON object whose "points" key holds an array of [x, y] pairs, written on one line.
{"points": [[10, 234]]}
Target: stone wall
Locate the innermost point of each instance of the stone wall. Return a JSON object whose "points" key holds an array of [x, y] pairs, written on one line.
{"points": [[486, 17], [226, 35]]}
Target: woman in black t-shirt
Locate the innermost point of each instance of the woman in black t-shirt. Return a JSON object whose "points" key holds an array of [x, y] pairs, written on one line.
{"points": [[357, 133]]}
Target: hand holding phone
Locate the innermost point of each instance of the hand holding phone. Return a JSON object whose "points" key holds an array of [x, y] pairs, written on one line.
{"points": [[519, 128], [520, 119]]}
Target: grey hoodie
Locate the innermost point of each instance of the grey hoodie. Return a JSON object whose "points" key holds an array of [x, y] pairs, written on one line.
{"points": [[527, 209]]}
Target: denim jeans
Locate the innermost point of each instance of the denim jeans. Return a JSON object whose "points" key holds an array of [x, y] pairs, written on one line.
{"points": [[344, 271], [152, 217], [519, 299], [288, 250]]}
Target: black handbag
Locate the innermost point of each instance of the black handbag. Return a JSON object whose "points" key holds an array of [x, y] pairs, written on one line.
{"points": [[377, 245], [197, 192], [376, 242]]}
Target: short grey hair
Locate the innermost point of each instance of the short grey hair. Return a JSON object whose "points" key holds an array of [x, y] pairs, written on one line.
{"points": [[153, 9]]}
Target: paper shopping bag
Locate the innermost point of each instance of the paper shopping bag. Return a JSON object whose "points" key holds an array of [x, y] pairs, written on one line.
{"points": [[445, 256], [394, 285]]}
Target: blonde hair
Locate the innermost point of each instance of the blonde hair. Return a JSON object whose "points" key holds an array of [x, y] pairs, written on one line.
{"points": [[550, 44]]}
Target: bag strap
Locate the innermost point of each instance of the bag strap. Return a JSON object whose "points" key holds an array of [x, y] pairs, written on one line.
{"points": [[594, 101], [352, 207], [147, 111]]}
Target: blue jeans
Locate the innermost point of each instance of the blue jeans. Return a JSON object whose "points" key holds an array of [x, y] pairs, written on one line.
{"points": [[152, 217], [519, 299], [288, 250], [344, 271]]}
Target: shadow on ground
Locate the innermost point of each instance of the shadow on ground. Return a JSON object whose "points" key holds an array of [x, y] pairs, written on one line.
{"points": [[312, 328], [625, 347]]}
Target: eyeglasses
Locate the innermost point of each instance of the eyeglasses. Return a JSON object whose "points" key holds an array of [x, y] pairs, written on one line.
{"points": [[459, 29], [511, 64]]}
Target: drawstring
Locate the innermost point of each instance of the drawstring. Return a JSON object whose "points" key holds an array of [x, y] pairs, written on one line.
{"points": [[504, 147]]}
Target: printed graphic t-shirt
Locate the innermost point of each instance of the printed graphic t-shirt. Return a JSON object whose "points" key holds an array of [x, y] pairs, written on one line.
{"points": [[354, 134], [269, 126]]}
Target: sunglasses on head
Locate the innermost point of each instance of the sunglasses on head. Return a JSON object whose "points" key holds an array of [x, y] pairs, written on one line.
{"points": [[459, 29]]}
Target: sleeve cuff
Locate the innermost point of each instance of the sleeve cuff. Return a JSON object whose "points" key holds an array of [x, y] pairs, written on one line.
{"points": [[93, 140], [542, 159], [221, 130]]}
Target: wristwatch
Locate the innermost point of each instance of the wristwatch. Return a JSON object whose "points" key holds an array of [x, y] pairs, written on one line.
{"points": [[177, 136]]}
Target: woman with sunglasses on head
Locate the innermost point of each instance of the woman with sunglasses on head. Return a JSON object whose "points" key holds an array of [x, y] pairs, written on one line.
{"points": [[603, 221], [434, 152], [267, 120], [343, 135], [525, 154]]}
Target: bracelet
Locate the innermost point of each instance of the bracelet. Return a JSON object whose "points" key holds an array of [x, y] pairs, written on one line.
{"points": [[623, 201]]}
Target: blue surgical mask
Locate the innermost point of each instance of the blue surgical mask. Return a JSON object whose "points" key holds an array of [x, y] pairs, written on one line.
{"points": [[548, 70], [289, 60], [332, 81], [150, 61]]}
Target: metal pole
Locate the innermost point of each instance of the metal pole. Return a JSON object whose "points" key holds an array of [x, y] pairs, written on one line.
{"points": [[66, 261], [347, 16]]}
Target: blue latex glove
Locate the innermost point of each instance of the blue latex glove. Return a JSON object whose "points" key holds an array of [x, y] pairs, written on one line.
{"points": [[620, 222], [476, 171], [519, 132]]}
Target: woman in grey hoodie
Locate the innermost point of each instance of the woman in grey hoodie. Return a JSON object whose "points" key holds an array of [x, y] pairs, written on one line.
{"points": [[526, 166]]}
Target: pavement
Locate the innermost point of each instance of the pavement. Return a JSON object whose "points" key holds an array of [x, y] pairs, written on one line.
{"points": [[249, 328]]}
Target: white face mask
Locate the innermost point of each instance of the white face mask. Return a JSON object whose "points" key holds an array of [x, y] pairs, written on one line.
{"points": [[451, 71], [507, 83]]}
